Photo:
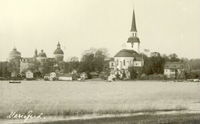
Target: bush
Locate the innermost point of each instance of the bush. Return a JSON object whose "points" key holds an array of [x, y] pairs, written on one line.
{"points": [[152, 77], [133, 73], [104, 75], [193, 74]]}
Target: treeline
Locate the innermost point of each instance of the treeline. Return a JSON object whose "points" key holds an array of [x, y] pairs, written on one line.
{"points": [[155, 64], [92, 60]]}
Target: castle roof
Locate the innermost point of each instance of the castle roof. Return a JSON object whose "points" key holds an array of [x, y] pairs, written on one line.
{"points": [[42, 54], [14, 52], [58, 50], [126, 53]]}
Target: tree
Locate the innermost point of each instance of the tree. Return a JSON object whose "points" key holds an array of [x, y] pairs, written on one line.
{"points": [[154, 64], [173, 57], [4, 69], [93, 60], [157, 64], [133, 73], [46, 67], [71, 65], [14, 67]]}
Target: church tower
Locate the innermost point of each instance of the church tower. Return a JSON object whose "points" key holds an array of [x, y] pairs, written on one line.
{"points": [[133, 39]]}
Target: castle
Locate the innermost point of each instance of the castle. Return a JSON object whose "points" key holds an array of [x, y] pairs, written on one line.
{"points": [[22, 64]]}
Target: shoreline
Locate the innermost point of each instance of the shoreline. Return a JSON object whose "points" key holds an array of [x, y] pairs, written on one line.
{"points": [[170, 116]]}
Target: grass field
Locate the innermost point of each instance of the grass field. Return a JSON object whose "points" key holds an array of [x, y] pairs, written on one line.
{"points": [[98, 97]]}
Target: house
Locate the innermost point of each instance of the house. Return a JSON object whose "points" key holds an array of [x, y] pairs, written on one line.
{"points": [[52, 76], [174, 70], [29, 75], [65, 77]]}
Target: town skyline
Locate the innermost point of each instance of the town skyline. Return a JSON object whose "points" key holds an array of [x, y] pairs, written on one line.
{"points": [[163, 26]]}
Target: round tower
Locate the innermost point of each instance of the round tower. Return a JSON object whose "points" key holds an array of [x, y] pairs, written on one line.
{"points": [[14, 55], [14, 62]]}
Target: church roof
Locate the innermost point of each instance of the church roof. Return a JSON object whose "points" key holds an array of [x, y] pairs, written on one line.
{"points": [[126, 53], [133, 40]]}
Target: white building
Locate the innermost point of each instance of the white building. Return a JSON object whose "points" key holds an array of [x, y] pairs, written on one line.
{"points": [[127, 58], [173, 69], [29, 74]]}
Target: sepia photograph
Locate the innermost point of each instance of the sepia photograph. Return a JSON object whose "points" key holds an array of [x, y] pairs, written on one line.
{"points": [[99, 61]]}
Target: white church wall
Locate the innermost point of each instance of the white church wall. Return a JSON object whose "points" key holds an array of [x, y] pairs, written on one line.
{"points": [[123, 62]]}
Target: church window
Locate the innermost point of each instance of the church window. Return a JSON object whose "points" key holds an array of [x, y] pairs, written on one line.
{"points": [[124, 62]]}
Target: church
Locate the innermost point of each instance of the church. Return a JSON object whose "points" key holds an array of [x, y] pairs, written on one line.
{"points": [[129, 57]]}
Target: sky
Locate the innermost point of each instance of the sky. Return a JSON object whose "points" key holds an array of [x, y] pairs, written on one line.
{"points": [[165, 26]]}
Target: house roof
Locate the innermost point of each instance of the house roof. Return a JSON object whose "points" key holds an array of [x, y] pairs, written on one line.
{"points": [[174, 65], [126, 53], [64, 75]]}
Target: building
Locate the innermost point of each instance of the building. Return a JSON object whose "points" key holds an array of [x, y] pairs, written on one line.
{"points": [[14, 62], [19, 64], [29, 75], [174, 70], [41, 57], [58, 53], [14, 54], [129, 57], [26, 64]]}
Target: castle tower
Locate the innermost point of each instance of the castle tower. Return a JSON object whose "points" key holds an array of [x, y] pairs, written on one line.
{"points": [[14, 62], [41, 57], [58, 53], [14, 55], [133, 39], [35, 53]]}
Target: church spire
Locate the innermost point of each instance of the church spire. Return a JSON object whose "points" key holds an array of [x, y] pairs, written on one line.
{"points": [[133, 26], [133, 38]]}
